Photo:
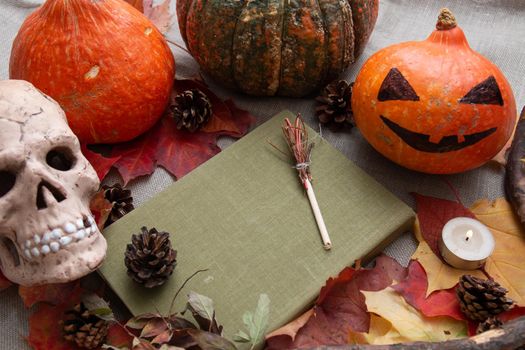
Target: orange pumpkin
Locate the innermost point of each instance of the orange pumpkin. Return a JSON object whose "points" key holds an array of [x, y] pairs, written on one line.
{"points": [[106, 64], [434, 106]]}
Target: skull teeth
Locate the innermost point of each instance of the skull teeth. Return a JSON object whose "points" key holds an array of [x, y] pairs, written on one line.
{"points": [[55, 247], [52, 241], [70, 227]]}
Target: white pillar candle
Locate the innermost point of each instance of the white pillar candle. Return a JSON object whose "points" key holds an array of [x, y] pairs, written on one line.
{"points": [[466, 243]]}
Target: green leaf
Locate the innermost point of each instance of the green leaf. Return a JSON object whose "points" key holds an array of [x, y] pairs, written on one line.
{"points": [[256, 323], [241, 337], [202, 305], [260, 319], [98, 306], [210, 341]]}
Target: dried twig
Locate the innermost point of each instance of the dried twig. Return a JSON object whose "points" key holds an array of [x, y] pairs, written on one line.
{"points": [[296, 136]]}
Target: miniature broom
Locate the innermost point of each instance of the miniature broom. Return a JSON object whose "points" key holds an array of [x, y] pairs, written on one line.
{"points": [[296, 137]]}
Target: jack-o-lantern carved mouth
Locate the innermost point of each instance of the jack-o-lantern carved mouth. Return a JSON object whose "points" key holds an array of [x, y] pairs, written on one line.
{"points": [[422, 143]]}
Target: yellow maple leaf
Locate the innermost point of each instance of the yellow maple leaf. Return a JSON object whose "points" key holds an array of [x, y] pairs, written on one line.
{"points": [[395, 321], [506, 265], [381, 333], [439, 275]]}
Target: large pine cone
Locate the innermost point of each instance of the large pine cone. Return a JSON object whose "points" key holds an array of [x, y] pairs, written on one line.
{"points": [[335, 107], [480, 299], [191, 110], [149, 258], [84, 328], [121, 201]]}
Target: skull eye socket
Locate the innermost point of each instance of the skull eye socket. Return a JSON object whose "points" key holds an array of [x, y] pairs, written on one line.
{"points": [[60, 159], [7, 182]]}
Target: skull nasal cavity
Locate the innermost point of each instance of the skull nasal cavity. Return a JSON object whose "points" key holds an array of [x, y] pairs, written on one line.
{"points": [[43, 200]]}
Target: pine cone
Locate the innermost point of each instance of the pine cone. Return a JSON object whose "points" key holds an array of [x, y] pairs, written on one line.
{"points": [[84, 328], [335, 107], [488, 324], [149, 258], [191, 109], [121, 200], [480, 299]]}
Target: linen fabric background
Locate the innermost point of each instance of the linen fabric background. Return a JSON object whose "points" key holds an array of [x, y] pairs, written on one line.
{"points": [[495, 28]]}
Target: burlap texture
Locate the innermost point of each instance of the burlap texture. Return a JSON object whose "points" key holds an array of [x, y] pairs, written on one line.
{"points": [[494, 28]]}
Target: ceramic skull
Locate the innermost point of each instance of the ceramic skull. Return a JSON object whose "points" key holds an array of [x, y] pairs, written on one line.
{"points": [[47, 233]]}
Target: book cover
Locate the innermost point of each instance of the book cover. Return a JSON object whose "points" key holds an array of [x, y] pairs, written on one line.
{"points": [[245, 217]]}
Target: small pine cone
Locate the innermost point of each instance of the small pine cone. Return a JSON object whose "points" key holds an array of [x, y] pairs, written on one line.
{"points": [[191, 109], [488, 324], [83, 328], [149, 258], [480, 299], [121, 200], [335, 107]]}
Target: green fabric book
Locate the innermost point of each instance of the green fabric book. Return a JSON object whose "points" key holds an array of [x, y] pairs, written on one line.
{"points": [[245, 217]]}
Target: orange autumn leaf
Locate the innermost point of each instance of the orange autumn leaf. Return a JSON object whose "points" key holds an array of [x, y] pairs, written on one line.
{"points": [[45, 329], [100, 208], [45, 332], [51, 293]]}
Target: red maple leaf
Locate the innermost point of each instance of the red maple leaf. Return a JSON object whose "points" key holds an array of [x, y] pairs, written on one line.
{"points": [[180, 152], [504, 317], [119, 337], [341, 306], [433, 214], [4, 282], [45, 328], [439, 303], [177, 151], [50, 293], [101, 164], [45, 332]]}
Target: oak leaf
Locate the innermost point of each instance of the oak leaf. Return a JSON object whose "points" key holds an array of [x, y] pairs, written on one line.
{"points": [[407, 323], [507, 263], [340, 308], [414, 290]]}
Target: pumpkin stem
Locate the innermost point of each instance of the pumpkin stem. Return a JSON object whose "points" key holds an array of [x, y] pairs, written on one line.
{"points": [[446, 20]]}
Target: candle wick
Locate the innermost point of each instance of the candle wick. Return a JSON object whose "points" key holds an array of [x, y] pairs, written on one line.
{"points": [[468, 235]]}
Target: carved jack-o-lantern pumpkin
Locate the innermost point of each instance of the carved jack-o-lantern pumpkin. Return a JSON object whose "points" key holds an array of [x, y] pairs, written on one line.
{"points": [[434, 106]]}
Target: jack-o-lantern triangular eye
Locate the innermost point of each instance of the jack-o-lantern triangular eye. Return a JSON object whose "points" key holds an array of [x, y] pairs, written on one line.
{"points": [[485, 93], [396, 87]]}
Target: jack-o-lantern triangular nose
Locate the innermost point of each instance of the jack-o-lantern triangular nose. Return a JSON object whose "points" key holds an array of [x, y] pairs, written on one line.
{"points": [[48, 194]]}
